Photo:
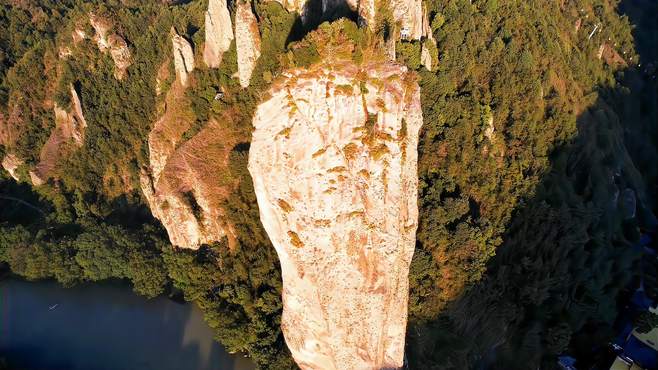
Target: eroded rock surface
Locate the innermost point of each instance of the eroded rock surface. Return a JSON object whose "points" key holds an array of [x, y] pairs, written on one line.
{"points": [[186, 194], [247, 39], [183, 184], [333, 159], [108, 41], [219, 33], [68, 134], [183, 57], [11, 163]]}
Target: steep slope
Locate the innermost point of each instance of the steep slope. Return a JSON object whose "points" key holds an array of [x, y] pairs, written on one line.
{"points": [[69, 131], [181, 183], [333, 158]]}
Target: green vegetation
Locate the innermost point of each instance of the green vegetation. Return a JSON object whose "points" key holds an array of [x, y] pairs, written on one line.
{"points": [[526, 237]]}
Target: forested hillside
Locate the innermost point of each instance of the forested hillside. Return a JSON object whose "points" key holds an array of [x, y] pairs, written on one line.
{"points": [[536, 167]]}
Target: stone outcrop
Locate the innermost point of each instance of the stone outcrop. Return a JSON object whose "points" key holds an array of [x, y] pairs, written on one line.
{"points": [[183, 57], [410, 15], [333, 159], [186, 194], [183, 185], [219, 33], [68, 133], [247, 39], [11, 163], [428, 52], [108, 41]]}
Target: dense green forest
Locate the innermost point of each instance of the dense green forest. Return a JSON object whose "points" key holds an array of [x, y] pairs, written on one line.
{"points": [[536, 167]]}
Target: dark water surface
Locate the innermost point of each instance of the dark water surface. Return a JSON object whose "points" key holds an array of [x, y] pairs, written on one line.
{"points": [[104, 326]]}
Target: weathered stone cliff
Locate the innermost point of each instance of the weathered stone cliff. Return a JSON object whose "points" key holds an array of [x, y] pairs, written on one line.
{"points": [[186, 194], [247, 39], [182, 183], [183, 57], [219, 33], [333, 160], [112, 42], [68, 133]]}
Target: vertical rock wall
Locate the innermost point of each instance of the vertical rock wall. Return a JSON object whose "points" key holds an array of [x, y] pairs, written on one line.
{"points": [[247, 38], [333, 159], [219, 33], [183, 57]]}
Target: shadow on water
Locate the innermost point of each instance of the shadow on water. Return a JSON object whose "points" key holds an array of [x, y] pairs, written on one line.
{"points": [[103, 326], [570, 251]]}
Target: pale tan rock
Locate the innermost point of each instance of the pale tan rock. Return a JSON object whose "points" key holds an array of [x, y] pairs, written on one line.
{"points": [[293, 5], [112, 42], [101, 27], [11, 163], [68, 134], [183, 57], [120, 54], [219, 33], [409, 14], [187, 195], [428, 55], [78, 35], [390, 48], [183, 184], [247, 39], [334, 171], [168, 130]]}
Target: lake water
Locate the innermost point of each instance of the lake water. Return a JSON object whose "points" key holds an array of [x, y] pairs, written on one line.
{"points": [[104, 326]]}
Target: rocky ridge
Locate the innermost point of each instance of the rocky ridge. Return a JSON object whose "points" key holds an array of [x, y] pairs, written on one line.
{"points": [[333, 159], [219, 32], [181, 183]]}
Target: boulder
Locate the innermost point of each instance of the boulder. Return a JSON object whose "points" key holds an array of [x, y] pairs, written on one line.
{"points": [[334, 163]]}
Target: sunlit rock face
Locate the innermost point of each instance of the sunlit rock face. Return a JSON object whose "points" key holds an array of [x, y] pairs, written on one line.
{"points": [[107, 41], [247, 39], [183, 57], [68, 134], [186, 194], [219, 33], [182, 183], [333, 159], [10, 163]]}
